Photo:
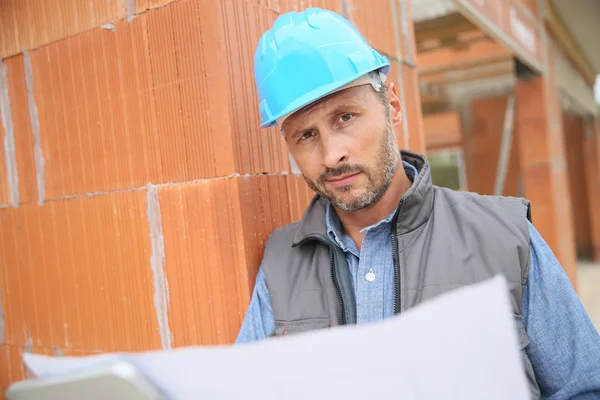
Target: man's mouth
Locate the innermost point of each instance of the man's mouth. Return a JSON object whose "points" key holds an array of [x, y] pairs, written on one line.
{"points": [[343, 180]]}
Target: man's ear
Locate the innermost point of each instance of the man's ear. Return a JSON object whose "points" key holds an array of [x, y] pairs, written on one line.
{"points": [[395, 104]]}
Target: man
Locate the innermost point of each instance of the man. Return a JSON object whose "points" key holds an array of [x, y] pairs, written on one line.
{"points": [[379, 238]]}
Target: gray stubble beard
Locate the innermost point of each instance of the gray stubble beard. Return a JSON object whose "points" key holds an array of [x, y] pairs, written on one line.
{"points": [[384, 172]]}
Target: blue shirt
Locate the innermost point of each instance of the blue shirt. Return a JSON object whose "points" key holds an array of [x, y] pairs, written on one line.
{"points": [[564, 345]]}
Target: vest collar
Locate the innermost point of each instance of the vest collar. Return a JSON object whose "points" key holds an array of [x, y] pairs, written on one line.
{"points": [[413, 210], [417, 204]]}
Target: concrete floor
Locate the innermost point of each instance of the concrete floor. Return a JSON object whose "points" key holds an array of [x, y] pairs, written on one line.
{"points": [[589, 289]]}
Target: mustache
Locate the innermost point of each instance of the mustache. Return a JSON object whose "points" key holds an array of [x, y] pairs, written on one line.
{"points": [[339, 171]]}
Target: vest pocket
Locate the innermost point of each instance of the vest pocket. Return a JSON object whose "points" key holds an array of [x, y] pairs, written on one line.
{"points": [[284, 328]]}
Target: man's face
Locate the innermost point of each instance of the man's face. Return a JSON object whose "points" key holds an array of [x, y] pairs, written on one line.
{"points": [[345, 147]]}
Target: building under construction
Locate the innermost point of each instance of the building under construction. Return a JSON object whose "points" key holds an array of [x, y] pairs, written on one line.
{"points": [[508, 108], [137, 191]]}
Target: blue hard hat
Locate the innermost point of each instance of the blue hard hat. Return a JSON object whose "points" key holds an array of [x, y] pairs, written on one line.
{"points": [[305, 56]]}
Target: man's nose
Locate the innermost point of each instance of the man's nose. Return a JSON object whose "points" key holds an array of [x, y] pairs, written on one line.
{"points": [[335, 151]]}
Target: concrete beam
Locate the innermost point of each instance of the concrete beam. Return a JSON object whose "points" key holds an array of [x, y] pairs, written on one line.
{"points": [[479, 53], [446, 26], [484, 72], [567, 42]]}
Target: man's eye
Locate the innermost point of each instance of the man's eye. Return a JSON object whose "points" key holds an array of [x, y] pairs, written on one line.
{"points": [[345, 118], [307, 135]]}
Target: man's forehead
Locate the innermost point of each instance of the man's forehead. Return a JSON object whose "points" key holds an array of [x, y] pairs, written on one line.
{"points": [[356, 94]]}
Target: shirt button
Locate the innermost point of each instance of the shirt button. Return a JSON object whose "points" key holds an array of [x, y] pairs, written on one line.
{"points": [[370, 276]]}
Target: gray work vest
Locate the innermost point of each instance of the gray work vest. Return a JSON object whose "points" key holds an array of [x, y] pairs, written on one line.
{"points": [[442, 240]]}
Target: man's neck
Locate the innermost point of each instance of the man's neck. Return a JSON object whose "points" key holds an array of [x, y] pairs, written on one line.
{"points": [[354, 222]]}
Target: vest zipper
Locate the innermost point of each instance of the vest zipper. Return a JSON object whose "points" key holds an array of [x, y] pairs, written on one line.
{"points": [[395, 257], [396, 275], [337, 288]]}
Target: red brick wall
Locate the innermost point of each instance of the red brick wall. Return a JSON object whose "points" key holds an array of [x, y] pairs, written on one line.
{"points": [[485, 139], [443, 130], [591, 154], [573, 128], [146, 190], [544, 166]]}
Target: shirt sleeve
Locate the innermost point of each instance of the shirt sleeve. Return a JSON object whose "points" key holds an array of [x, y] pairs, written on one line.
{"points": [[258, 322], [564, 345]]}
